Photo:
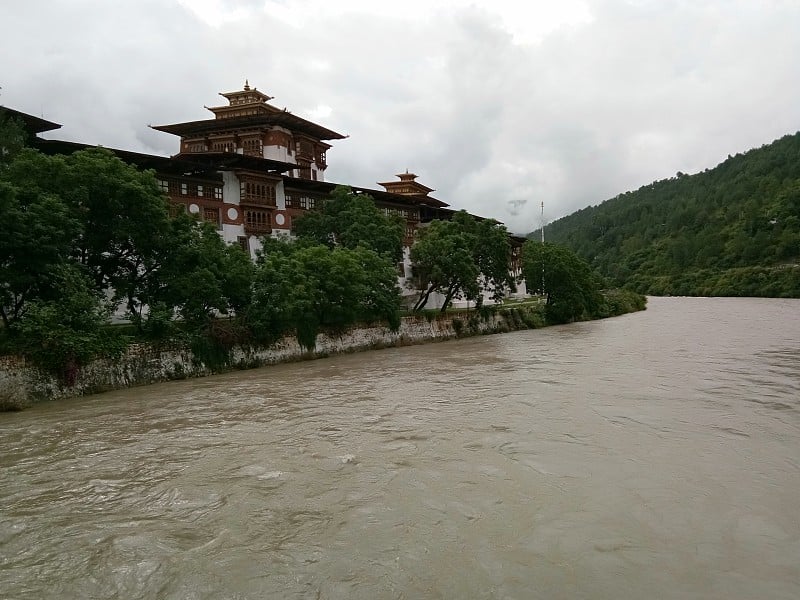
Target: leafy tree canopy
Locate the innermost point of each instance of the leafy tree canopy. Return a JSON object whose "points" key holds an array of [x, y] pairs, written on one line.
{"points": [[350, 220], [62, 333], [12, 137], [122, 216], [571, 288], [200, 275], [462, 258], [38, 233], [92, 210], [305, 287]]}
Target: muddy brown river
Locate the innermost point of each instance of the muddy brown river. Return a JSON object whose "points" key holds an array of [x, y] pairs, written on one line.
{"points": [[655, 455]]}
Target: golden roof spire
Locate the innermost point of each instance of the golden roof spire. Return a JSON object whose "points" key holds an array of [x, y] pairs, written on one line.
{"points": [[246, 85]]}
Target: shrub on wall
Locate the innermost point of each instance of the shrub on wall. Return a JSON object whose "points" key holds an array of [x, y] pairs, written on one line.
{"points": [[458, 326], [62, 334]]}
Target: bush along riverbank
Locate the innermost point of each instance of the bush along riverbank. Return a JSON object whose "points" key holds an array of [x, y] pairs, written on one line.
{"points": [[27, 380]]}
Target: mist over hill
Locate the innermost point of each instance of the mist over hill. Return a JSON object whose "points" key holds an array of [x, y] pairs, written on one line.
{"points": [[733, 230]]}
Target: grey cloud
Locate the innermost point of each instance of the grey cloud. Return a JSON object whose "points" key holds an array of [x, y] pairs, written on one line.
{"points": [[641, 91]]}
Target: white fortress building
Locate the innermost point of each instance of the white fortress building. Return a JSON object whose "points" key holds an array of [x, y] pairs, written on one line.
{"points": [[253, 168]]}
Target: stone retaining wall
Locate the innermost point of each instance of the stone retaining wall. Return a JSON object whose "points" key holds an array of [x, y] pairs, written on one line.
{"points": [[22, 384]]}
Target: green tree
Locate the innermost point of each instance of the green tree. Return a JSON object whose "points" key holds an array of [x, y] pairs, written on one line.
{"points": [[125, 218], [492, 252], [38, 230], [380, 299], [282, 297], [350, 220], [123, 215], [62, 333], [442, 261], [198, 274], [306, 287], [462, 258], [13, 137], [571, 288]]}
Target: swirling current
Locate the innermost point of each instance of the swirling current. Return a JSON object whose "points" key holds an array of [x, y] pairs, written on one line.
{"points": [[654, 455]]}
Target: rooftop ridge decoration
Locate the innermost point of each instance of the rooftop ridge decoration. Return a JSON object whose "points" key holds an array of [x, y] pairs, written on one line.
{"points": [[243, 101]]}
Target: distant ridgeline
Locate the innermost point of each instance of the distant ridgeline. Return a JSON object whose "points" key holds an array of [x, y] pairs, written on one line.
{"points": [[730, 231]]}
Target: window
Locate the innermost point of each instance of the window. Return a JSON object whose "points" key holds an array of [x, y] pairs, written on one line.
{"points": [[199, 191], [256, 222], [297, 200], [217, 192], [258, 192], [184, 189], [245, 245], [222, 147], [399, 212], [163, 185], [305, 147], [176, 209], [252, 147], [212, 216]]}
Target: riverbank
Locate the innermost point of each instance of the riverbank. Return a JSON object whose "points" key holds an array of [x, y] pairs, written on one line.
{"points": [[23, 384]]}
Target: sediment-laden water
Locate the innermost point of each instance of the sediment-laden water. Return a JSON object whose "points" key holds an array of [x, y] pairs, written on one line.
{"points": [[655, 455]]}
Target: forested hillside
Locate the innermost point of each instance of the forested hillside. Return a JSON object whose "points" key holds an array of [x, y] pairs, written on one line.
{"points": [[729, 231]]}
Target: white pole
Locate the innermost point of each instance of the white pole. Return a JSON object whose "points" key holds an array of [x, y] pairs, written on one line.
{"points": [[543, 221], [542, 248]]}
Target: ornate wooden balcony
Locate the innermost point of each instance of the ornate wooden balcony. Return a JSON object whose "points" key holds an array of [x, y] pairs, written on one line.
{"points": [[257, 222], [255, 192], [257, 229]]}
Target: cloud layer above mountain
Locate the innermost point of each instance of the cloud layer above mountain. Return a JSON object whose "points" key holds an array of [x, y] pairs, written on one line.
{"points": [[499, 105]]}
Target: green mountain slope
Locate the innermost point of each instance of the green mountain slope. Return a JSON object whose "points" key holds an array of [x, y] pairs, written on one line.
{"points": [[729, 231]]}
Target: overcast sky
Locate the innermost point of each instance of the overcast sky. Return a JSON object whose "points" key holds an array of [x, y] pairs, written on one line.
{"points": [[497, 104]]}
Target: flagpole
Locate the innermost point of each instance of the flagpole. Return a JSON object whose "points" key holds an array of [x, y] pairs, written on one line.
{"points": [[543, 248], [543, 221]]}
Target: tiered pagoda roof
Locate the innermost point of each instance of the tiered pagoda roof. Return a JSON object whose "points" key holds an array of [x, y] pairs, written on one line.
{"points": [[406, 185], [412, 191], [248, 109]]}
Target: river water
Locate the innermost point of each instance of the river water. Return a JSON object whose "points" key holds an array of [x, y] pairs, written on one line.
{"points": [[655, 455]]}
